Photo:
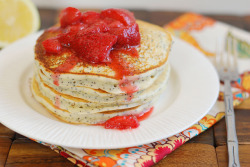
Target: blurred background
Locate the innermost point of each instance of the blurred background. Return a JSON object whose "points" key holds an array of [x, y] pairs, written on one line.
{"points": [[30, 18], [236, 7]]}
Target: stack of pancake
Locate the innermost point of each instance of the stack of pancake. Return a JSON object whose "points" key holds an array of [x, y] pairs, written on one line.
{"points": [[91, 94]]}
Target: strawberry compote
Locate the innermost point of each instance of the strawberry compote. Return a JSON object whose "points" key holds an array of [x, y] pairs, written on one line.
{"points": [[92, 36]]}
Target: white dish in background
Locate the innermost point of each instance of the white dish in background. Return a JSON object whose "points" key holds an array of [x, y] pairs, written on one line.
{"points": [[192, 90]]}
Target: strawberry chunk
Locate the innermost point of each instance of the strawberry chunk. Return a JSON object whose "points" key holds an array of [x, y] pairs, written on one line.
{"points": [[94, 48], [122, 122], [69, 16], [70, 33], [128, 36], [122, 15], [52, 45], [95, 28], [90, 17], [116, 24]]}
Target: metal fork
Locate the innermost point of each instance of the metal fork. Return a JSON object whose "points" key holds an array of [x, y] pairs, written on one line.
{"points": [[226, 64]]}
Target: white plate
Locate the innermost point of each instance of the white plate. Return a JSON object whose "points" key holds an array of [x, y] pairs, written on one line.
{"points": [[192, 90]]}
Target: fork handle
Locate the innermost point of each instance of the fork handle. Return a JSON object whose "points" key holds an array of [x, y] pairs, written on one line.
{"points": [[232, 141]]}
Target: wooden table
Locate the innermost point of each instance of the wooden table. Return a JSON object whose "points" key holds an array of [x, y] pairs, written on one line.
{"points": [[207, 149]]}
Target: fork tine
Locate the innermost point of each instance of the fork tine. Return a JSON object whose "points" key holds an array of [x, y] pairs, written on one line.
{"points": [[232, 53], [228, 52], [235, 55], [226, 58], [218, 56]]}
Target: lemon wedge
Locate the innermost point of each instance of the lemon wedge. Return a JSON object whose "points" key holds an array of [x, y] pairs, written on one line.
{"points": [[18, 18]]}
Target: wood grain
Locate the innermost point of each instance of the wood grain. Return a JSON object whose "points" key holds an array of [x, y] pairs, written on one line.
{"points": [[236, 21], [141, 14], [247, 24], [244, 155], [5, 144], [191, 155], [48, 18], [242, 118], [19, 136], [6, 132], [162, 17], [25, 153]]}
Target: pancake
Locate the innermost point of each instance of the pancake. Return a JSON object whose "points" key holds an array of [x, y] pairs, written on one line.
{"points": [[93, 93]]}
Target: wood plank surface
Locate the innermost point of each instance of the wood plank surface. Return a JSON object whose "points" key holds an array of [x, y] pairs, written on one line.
{"points": [[48, 18], [236, 21], [247, 23], [6, 132], [26, 153], [162, 17], [206, 137], [191, 155], [244, 155], [18, 136], [141, 14], [5, 144], [242, 118]]}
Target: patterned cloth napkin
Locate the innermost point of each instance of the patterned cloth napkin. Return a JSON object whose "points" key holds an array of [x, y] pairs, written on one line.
{"points": [[203, 33]]}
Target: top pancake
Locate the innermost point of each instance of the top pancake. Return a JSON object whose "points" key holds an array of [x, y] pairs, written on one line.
{"points": [[153, 53]]}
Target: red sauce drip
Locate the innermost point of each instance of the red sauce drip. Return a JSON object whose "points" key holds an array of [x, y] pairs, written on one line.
{"points": [[130, 97], [128, 87], [123, 69], [69, 64], [55, 78], [57, 103], [145, 115], [119, 65]]}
